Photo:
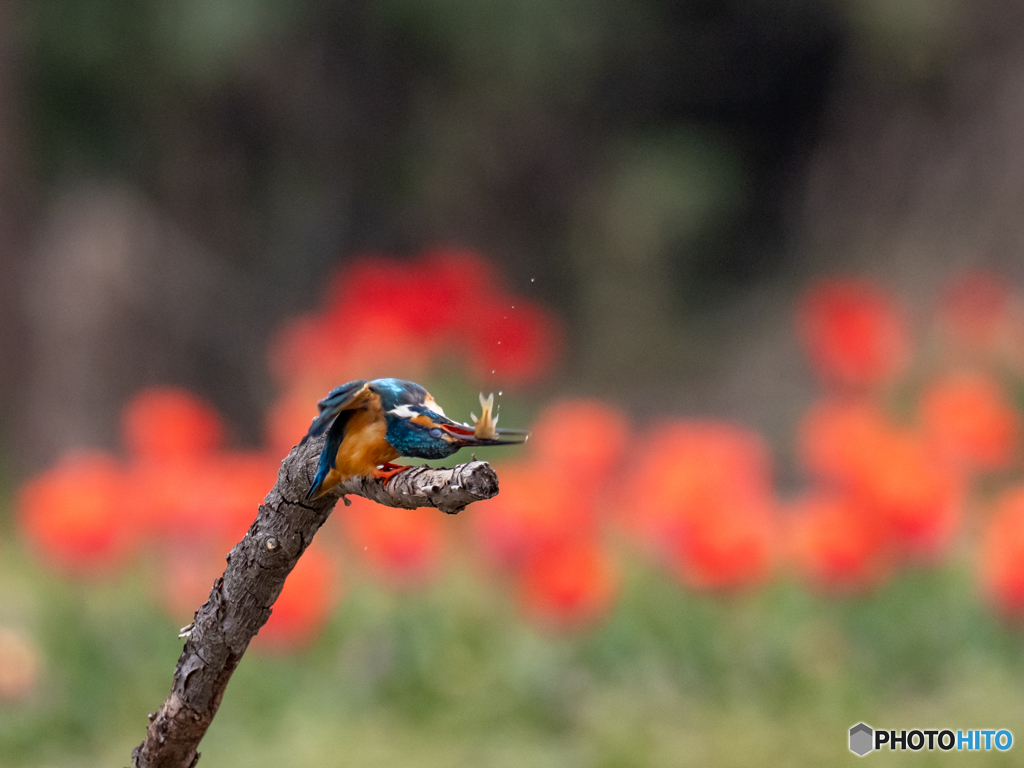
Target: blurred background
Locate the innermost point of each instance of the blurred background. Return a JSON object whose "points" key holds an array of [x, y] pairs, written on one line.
{"points": [[750, 271]]}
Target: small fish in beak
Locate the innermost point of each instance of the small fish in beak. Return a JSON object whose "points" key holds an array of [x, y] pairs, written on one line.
{"points": [[486, 425]]}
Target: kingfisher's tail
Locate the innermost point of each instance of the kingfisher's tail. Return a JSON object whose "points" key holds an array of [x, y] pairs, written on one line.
{"points": [[328, 455]]}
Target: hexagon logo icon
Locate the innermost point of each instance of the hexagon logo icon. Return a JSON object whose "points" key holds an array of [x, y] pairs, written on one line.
{"points": [[862, 739]]}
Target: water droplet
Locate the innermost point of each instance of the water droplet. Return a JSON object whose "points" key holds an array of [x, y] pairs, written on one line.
{"points": [[532, 279], [499, 342], [492, 371], [500, 393]]}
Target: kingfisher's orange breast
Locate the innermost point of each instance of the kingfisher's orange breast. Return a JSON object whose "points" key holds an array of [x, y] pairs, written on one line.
{"points": [[364, 446]]}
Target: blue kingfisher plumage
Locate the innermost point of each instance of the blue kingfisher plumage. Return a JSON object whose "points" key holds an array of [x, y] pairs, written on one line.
{"points": [[371, 423]]}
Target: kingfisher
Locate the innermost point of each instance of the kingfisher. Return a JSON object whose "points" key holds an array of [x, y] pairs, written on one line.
{"points": [[371, 423]]}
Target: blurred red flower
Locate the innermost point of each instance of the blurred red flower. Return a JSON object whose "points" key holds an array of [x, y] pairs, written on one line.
{"points": [[854, 332], [1001, 555], [917, 496], [568, 584], [431, 297], [536, 508], [214, 500], [708, 452], [974, 308], [460, 283], [167, 424], [686, 462], [703, 501], [310, 594], [391, 317], [836, 544], [969, 419], [585, 437], [73, 514], [514, 340], [239, 482], [731, 544], [404, 545], [894, 473], [837, 436], [385, 293], [165, 500]]}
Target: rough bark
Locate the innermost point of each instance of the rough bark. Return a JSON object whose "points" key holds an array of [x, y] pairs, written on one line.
{"points": [[241, 599]]}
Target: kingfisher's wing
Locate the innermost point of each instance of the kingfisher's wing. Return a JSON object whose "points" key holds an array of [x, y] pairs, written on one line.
{"points": [[344, 398], [335, 411]]}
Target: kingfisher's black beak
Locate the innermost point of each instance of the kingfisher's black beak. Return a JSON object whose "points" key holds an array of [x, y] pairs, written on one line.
{"points": [[505, 437], [468, 439]]}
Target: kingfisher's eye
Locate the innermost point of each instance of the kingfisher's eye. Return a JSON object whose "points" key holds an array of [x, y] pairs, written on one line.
{"points": [[435, 432]]}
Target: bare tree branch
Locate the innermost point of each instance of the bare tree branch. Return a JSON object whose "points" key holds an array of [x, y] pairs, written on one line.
{"points": [[240, 601]]}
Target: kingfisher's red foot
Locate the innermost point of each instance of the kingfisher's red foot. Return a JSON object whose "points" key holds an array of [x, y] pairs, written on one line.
{"points": [[389, 470]]}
